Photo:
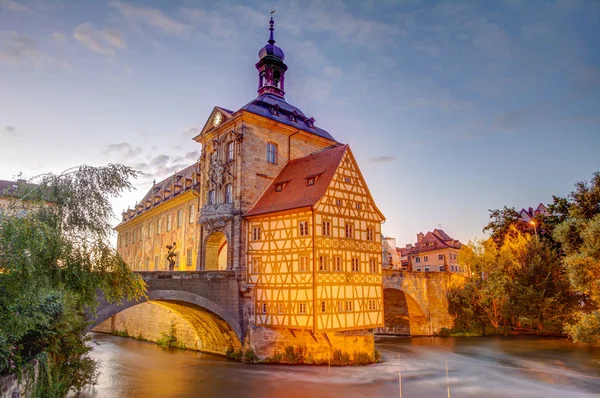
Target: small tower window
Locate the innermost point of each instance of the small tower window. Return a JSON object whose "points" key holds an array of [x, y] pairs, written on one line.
{"points": [[271, 153]]}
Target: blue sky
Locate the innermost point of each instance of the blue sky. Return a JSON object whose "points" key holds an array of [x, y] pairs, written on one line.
{"points": [[451, 108]]}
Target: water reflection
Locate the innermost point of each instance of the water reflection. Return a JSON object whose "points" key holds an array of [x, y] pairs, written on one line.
{"points": [[498, 367]]}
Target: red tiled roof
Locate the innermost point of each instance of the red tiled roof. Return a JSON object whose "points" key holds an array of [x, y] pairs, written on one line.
{"points": [[296, 193]]}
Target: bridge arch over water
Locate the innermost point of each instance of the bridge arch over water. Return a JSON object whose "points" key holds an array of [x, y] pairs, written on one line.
{"points": [[207, 302]]}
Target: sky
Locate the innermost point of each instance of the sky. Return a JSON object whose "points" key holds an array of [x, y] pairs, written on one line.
{"points": [[451, 108]]}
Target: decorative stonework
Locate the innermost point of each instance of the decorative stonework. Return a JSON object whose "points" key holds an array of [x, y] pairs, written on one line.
{"points": [[215, 217]]}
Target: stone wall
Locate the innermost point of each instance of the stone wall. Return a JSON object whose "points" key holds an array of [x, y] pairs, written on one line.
{"points": [[10, 387], [265, 342]]}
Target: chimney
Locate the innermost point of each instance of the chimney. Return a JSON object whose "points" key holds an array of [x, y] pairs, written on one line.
{"points": [[409, 245], [420, 236]]}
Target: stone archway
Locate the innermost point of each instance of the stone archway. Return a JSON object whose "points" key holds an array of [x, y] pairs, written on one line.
{"points": [[214, 329], [216, 250], [403, 314]]}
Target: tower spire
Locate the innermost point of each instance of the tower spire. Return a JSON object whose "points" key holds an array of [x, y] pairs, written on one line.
{"points": [[271, 69], [271, 28]]}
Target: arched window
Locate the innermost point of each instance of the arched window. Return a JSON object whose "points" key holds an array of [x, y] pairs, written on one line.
{"points": [[271, 152], [228, 193]]}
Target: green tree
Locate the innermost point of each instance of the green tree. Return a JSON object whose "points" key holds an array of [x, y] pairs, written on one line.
{"points": [[53, 260], [579, 236], [503, 222]]}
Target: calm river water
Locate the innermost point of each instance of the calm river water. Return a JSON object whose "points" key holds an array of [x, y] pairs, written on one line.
{"points": [[478, 367]]}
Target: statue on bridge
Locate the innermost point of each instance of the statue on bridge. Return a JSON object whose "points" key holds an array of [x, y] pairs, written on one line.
{"points": [[171, 256]]}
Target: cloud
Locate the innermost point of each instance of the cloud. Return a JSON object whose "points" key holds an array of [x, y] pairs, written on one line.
{"points": [[152, 17], [11, 5], [9, 131], [510, 120], [219, 27], [113, 37], [102, 42], [16, 49], [59, 37], [382, 159], [122, 150]]}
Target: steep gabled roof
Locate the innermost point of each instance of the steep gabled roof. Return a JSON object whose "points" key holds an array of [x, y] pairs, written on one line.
{"points": [[295, 192]]}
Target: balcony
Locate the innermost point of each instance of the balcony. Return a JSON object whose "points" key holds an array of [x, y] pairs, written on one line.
{"points": [[215, 217]]}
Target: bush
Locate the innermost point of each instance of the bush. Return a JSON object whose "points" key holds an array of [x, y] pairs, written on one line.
{"points": [[340, 358], [377, 356], [121, 333], [169, 339], [234, 354], [294, 356], [362, 358], [250, 356], [445, 332]]}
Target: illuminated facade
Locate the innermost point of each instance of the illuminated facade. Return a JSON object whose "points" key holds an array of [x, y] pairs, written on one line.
{"points": [[435, 252], [280, 201]]}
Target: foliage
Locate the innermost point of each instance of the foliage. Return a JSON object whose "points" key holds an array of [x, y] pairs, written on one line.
{"points": [[339, 358], [505, 221], [53, 260], [377, 356], [520, 281], [579, 236], [362, 358], [250, 356], [122, 333], [168, 339], [234, 354]]}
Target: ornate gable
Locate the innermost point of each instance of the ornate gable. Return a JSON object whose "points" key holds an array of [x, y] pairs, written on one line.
{"points": [[218, 117]]}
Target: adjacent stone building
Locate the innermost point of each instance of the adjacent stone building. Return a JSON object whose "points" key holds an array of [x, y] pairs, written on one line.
{"points": [[281, 202], [435, 252]]}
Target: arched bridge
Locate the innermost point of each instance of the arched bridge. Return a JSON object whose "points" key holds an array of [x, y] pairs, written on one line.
{"points": [[415, 303], [208, 300]]}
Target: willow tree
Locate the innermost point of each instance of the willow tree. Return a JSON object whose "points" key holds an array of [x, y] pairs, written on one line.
{"points": [[55, 255]]}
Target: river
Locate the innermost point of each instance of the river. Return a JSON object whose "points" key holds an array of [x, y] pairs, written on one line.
{"points": [[477, 367]]}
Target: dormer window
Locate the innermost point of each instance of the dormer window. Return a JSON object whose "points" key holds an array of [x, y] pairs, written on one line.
{"points": [[311, 181], [310, 122], [293, 116], [279, 187]]}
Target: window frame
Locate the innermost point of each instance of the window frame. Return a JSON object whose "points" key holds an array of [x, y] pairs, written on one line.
{"points": [[229, 193], [323, 263], [179, 218], [349, 230], [271, 153], [230, 148], [326, 228], [303, 228]]}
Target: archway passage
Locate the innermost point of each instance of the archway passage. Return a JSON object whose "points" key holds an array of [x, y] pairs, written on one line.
{"points": [[200, 324], [403, 315], [216, 252]]}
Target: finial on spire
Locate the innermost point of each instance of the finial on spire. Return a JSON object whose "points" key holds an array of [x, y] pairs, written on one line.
{"points": [[271, 28]]}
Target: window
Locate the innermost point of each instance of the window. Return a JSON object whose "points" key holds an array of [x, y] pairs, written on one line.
{"points": [[179, 218], [189, 257], [264, 308], [357, 206], [347, 180], [337, 264], [425, 258], [430, 244], [426, 269], [441, 268], [271, 153], [349, 230], [159, 226], [326, 228], [303, 228], [304, 264], [323, 307], [255, 265], [369, 233], [211, 197], [338, 202], [440, 256], [256, 233], [230, 148], [155, 263], [302, 308], [372, 266], [169, 222], [149, 234], [372, 305], [355, 265], [228, 193], [348, 305], [279, 187], [417, 259], [192, 214], [340, 306], [280, 308], [323, 263]]}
